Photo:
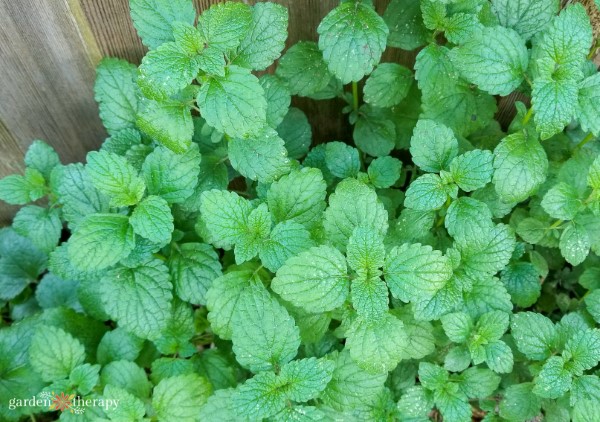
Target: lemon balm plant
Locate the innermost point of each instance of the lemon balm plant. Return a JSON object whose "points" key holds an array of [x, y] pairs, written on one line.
{"points": [[212, 263]]}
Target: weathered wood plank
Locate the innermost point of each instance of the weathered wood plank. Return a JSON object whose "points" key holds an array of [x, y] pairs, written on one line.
{"points": [[47, 70]]}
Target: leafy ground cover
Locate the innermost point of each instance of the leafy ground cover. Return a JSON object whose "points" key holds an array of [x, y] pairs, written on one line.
{"points": [[213, 262]]}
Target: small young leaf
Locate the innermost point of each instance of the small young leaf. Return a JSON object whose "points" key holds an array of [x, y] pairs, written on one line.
{"points": [[153, 19]]}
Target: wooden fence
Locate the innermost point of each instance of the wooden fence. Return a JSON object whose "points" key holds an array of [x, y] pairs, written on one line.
{"points": [[48, 52]]}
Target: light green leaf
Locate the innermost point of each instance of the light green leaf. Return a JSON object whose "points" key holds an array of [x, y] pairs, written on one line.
{"points": [[431, 376], [188, 38], [353, 204], [261, 157], [562, 202], [472, 170], [478, 382], [494, 58], [388, 85], [278, 98], [193, 268], [153, 19], [384, 171], [352, 50], [462, 28], [239, 94], [592, 303], [130, 407], [212, 61], [457, 359], [377, 345], [166, 71], [172, 176], [467, 217], [127, 376], [415, 271], [428, 192], [41, 157], [266, 37], [457, 326], [534, 334], [370, 297], [180, 398], [342, 160], [488, 253], [84, 377], [315, 280], [365, 252], [405, 22], [588, 100], [19, 190], [263, 333], [118, 344], [41, 225], [575, 243], [527, 17], [522, 282], [139, 298], [303, 69], [585, 387], [554, 104], [225, 216], [486, 295], [499, 357], [586, 410], [582, 351], [553, 380], [54, 353], [262, 396], [520, 165], [254, 234], [593, 178], [306, 378], [169, 123], [433, 146], [100, 241], [287, 239], [519, 402], [116, 91], [225, 25], [298, 196], [415, 402], [152, 220]]}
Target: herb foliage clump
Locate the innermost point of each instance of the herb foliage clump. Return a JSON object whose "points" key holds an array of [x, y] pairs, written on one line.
{"points": [[211, 262]]}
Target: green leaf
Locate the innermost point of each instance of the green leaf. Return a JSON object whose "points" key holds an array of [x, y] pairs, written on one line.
{"points": [[122, 141], [116, 92], [491, 326], [353, 204], [427, 193], [188, 38], [494, 58], [278, 98], [239, 94], [172, 176], [370, 297], [298, 196], [388, 85], [488, 253], [526, 17], [376, 345], [351, 386], [415, 402], [593, 178], [85, 377], [342, 160], [534, 334], [262, 396], [169, 123], [296, 132], [522, 282], [139, 298], [464, 28], [405, 22], [467, 218], [499, 357], [586, 410], [54, 353], [452, 405], [100, 241], [130, 407], [478, 382], [365, 252], [315, 280], [263, 333], [303, 69], [457, 326], [266, 37], [180, 398], [166, 71], [553, 380], [193, 268], [287, 239], [433, 146], [19, 190], [587, 105], [41, 225], [554, 104], [118, 344], [53, 292], [127, 376], [582, 351], [592, 303], [153, 19], [225, 216], [374, 131], [415, 271], [472, 170], [352, 50], [519, 402], [575, 243], [152, 219], [224, 25], [262, 157], [212, 61], [41, 157], [306, 378], [520, 165], [562, 202], [254, 234], [384, 171], [431, 376], [585, 387]]}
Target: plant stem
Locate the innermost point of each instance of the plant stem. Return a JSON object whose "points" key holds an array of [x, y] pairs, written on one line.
{"points": [[355, 96], [555, 224], [584, 141], [527, 117]]}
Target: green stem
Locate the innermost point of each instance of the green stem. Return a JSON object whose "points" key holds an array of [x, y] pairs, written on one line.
{"points": [[555, 224], [527, 117], [355, 95], [584, 141]]}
